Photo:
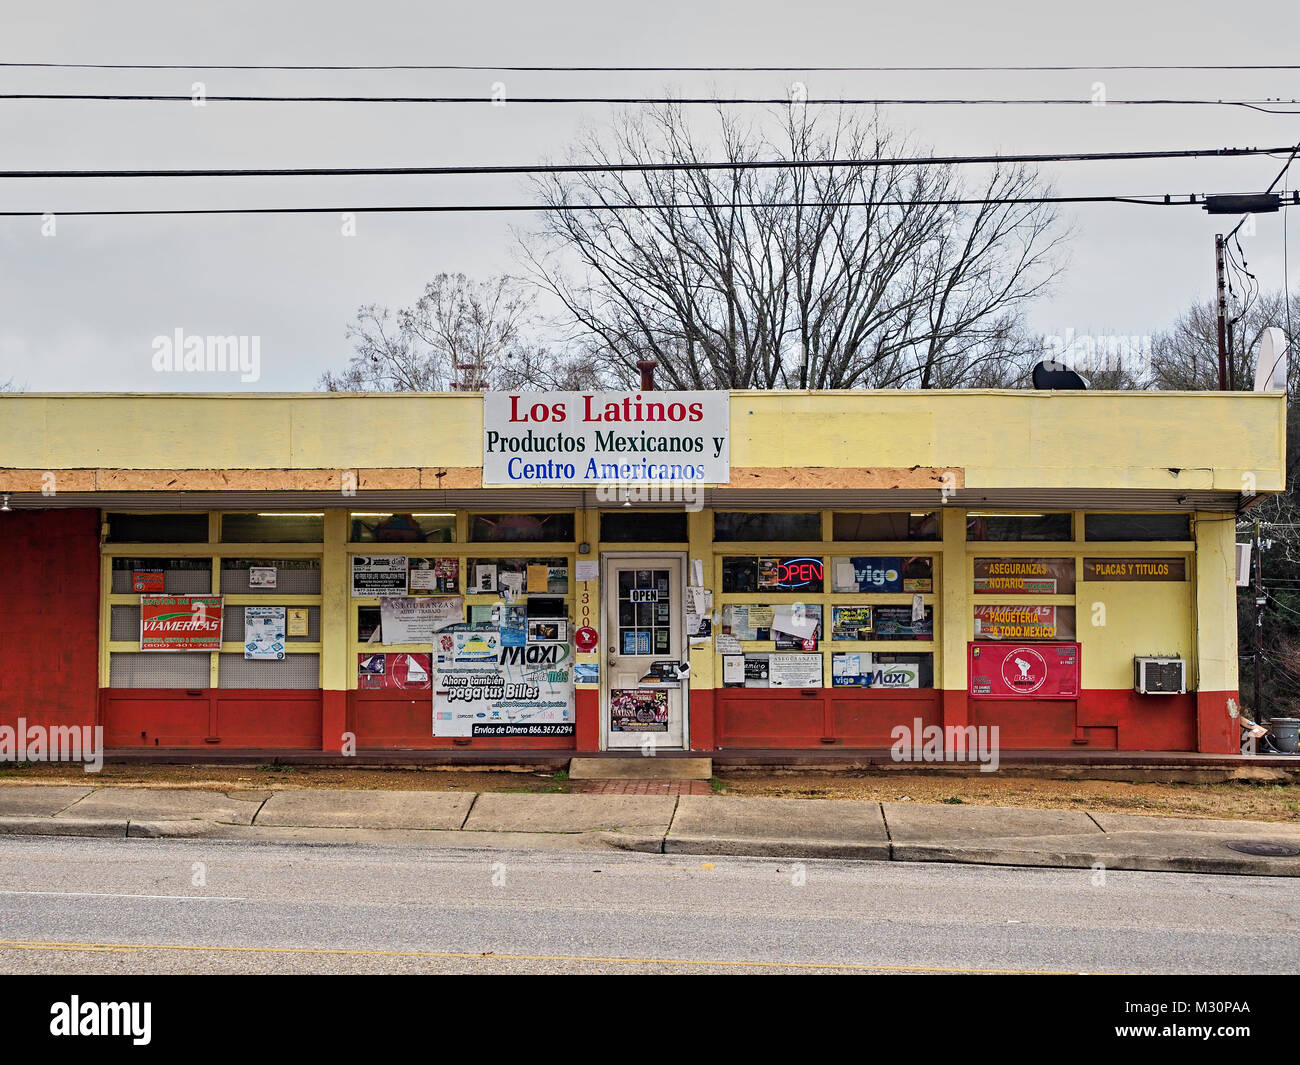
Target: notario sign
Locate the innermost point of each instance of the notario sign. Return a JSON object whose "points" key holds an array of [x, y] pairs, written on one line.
{"points": [[594, 438]]}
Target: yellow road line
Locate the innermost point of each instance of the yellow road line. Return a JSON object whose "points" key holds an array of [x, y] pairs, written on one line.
{"points": [[456, 955]]}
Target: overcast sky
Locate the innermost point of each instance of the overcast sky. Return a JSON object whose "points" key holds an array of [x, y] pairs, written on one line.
{"points": [[79, 311]]}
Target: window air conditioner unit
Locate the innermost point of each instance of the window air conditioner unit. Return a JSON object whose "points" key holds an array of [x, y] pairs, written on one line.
{"points": [[1159, 676]]}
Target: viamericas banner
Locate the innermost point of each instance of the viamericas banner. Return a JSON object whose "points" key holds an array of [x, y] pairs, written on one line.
{"points": [[594, 438]]}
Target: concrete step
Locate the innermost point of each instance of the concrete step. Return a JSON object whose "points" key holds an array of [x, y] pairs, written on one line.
{"points": [[637, 767]]}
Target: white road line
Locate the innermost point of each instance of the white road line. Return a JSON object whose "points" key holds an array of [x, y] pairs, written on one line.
{"points": [[115, 895]]}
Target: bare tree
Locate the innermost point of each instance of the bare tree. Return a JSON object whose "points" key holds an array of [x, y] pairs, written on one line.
{"points": [[847, 277], [459, 334]]}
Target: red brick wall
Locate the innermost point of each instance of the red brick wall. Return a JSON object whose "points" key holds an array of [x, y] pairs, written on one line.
{"points": [[49, 616]]}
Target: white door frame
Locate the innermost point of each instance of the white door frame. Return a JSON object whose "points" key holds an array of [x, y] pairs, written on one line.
{"points": [[608, 633]]}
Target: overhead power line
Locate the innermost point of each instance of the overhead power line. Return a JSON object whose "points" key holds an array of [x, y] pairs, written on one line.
{"points": [[1145, 201], [593, 168], [1268, 106], [558, 68]]}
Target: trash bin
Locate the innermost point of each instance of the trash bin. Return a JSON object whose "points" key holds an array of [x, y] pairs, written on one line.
{"points": [[1285, 734]]}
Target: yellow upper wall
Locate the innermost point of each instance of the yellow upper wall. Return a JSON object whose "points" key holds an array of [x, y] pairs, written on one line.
{"points": [[999, 438]]}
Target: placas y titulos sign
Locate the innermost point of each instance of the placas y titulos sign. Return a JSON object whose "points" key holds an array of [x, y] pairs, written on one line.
{"points": [[1024, 671], [1135, 569], [593, 438]]}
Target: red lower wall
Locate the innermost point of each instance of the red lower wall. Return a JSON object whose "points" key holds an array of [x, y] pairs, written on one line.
{"points": [[207, 717], [728, 718], [1099, 719], [49, 616]]}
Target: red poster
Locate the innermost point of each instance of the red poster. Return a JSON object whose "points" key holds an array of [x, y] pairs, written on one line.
{"points": [[180, 622], [398, 672], [1024, 670], [149, 581]]}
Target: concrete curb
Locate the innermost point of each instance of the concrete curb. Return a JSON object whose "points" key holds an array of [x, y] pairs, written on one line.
{"points": [[63, 826], [1110, 853], [1112, 861], [777, 848]]}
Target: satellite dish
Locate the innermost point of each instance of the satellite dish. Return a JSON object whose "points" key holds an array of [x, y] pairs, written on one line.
{"points": [[1270, 366], [1057, 376]]}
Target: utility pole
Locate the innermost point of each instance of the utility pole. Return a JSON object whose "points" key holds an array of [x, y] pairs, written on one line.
{"points": [[1223, 312], [1259, 628]]}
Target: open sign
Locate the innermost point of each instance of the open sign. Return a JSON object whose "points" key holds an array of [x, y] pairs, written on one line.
{"points": [[798, 572]]}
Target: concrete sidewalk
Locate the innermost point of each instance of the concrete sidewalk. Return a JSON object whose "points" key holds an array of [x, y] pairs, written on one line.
{"points": [[687, 824]]}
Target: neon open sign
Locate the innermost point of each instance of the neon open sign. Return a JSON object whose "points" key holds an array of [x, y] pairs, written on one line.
{"points": [[798, 572]]}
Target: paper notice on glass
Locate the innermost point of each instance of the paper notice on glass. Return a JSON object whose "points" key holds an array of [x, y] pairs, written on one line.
{"points": [[733, 669], [264, 632], [728, 645], [512, 584], [699, 614], [537, 578], [845, 666], [298, 621], [846, 577], [918, 608], [416, 619], [794, 621], [795, 671], [588, 570], [485, 580], [261, 576]]}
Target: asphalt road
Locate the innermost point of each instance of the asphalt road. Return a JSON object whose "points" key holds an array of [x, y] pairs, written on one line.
{"points": [[73, 905]]}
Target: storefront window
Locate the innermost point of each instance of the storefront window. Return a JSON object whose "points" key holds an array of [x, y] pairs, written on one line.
{"points": [[158, 528], [393, 528], [900, 525], [745, 527], [519, 576], [793, 575], [162, 576], [521, 528], [645, 617], [879, 671], [275, 576], [651, 527], [984, 526], [1127, 527], [271, 528]]}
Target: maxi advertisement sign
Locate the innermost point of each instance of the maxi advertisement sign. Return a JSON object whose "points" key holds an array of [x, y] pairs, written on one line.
{"points": [[594, 438], [483, 688]]}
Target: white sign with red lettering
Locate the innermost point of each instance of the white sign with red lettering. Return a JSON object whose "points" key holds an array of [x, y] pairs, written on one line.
{"points": [[594, 438]]}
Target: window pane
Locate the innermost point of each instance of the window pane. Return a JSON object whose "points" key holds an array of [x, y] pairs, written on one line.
{"points": [[379, 527], [1137, 527], [557, 574], [272, 528], [655, 527], [179, 576], [512, 528], [1018, 526], [895, 526], [158, 528], [776, 574], [731, 526]]}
